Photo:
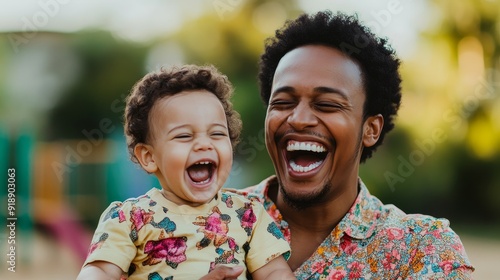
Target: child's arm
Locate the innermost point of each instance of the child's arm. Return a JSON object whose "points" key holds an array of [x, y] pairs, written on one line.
{"points": [[222, 272], [276, 269], [100, 270]]}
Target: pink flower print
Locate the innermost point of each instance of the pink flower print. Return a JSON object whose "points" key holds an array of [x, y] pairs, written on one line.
{"points": [[391, 259], [395, 233], [446, 266], [356, 270], [458, 247], [336, 274], [98, 243], [172, 250], [139, 217], [430, 249], [232, 244], [247, 217], [215, 228], [215, 223], [274, 213], [318, 267], [121, 216], [348, 246]]}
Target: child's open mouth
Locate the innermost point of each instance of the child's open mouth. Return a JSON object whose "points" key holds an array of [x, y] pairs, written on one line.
{"points": [[201, 172]]}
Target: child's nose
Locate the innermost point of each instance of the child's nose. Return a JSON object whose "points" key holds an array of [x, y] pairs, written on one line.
{"points": [[203, 143]]}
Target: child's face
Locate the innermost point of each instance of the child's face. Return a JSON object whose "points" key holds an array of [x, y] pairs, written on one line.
{"points": [[190, 149]]}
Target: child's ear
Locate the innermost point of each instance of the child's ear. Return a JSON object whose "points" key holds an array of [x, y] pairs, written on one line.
{"points": [[372, 129], [144, 153]]}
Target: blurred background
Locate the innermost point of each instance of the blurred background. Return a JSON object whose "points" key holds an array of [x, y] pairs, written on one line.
{"points": [[67, 66]]}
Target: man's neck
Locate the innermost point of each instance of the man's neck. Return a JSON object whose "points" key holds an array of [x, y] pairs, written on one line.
{"points": [[310, 226], [321, 218]]}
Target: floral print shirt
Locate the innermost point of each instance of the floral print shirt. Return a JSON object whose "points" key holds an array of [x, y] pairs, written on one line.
{"points": [[153, 238], [377, 241]]}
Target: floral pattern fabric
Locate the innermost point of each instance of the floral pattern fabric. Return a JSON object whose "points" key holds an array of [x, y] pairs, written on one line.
{"points": [[152, 238], [377, 241]]}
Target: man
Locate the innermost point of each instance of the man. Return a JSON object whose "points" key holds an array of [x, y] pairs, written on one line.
{"points": [[332, 91]]}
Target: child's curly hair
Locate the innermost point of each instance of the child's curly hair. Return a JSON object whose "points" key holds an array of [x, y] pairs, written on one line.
{"points": [[170, 81]]}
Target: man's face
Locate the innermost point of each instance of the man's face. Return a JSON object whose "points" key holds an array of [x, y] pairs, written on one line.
{"points": [[314, 123]]}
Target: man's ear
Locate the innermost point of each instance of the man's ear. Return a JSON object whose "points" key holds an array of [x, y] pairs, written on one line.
{"points": [[371, 129], [144, 153]]}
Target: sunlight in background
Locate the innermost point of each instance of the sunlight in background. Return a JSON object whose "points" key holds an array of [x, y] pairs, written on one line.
{"points": [[129, 19], [398, 20]]}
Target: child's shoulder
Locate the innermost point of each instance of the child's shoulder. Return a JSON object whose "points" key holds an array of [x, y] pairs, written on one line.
{"points": [[235, 199], [135, 204], [143, 200]]}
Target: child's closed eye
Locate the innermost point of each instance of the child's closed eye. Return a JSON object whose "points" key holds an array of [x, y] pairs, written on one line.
{"points": [[183, 136]]}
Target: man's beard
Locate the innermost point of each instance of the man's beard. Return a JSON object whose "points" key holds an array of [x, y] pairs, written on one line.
{"points": [[304, 201], [301, 202]]}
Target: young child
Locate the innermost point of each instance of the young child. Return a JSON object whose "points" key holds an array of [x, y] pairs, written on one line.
{"points": [[181, 127]]}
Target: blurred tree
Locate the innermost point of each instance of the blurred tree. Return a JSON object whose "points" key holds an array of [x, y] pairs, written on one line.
{"points": [[108, 70], [447, 166]]}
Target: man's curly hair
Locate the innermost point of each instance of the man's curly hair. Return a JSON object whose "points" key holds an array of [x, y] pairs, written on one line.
{"points": [[167, 82], [377, 60]]}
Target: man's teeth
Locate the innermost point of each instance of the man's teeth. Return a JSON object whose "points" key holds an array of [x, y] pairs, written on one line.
{"points": [[203, 162], [299, 168], [301, 146]]}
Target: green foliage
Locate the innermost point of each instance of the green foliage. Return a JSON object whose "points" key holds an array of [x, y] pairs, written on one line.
{"points": [[109, 69]]}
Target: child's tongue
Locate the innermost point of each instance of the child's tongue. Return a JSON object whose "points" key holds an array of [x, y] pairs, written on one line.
{"points": [[199, 172]]}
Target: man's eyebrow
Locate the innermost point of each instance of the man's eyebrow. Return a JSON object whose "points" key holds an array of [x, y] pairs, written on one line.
{"points": [[331, 90], [285, 89], [292, 90]]}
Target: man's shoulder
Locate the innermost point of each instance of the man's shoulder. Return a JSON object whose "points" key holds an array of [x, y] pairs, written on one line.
{"points": [[419, 230], [429, 237], [394, 217]]}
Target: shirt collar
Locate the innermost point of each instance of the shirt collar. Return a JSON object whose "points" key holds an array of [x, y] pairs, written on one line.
{"points": [[359, 222]]}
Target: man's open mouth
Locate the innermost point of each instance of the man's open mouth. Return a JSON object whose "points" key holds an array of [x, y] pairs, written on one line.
{"points": [[201, 172], [306, 156]]}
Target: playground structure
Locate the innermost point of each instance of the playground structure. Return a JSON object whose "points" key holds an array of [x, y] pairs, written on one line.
{"points": [[62, 187]]}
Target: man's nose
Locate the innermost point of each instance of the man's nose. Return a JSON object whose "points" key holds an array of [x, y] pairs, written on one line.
{"points": [[302, 117]]}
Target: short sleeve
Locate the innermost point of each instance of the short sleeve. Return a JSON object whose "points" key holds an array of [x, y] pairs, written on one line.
{"points": [[440, 254], [267, 241], [112, 241]]}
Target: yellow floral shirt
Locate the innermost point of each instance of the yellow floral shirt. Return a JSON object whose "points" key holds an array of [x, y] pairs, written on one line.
{"points": [[150, 237], [377, 241]]}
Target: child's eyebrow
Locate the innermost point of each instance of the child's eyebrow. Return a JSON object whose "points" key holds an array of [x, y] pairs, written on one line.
{"points": [[188, 125], [223, 125], [173, 129]]}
